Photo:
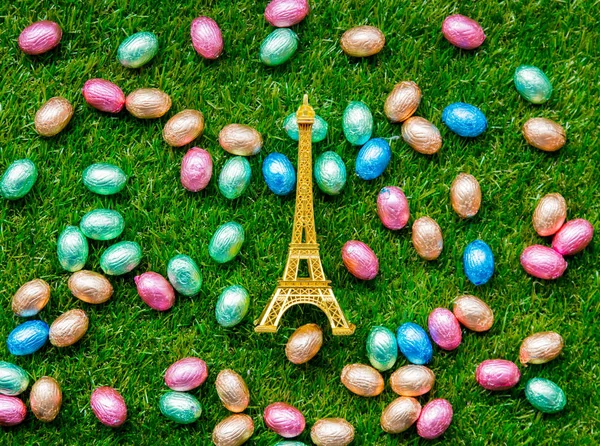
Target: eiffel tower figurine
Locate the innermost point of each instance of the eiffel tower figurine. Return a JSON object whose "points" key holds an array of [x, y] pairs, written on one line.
{"points": [[315, 289]]}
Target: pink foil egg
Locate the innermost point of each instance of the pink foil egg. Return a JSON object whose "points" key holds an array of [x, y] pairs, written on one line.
{"points": [[196, 169], [12, 410], [392, 208], [40, 37], [284, 420], [155, 290], [103, 95], [497, 374], [360, 260], [207, 39], [286, 13], [573, 237], [463, 32], [186, 374], [109, 406], [434, 419], [444, 328], [543, 262]]}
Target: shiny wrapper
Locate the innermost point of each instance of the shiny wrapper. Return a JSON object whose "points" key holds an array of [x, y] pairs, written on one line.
{"points": [[289, 443], [435, 418], [473, 313], [304, 344], [319, 128], [444, 329], [532, 84], [392, 208], [13, 379], [427, 238], [412, 380], [155, 291], [284, 420], [235, 177], [278, 47], [403, 102], [72, 249], [138, 49], [362, 41], [544, 134], [400, 414], [31, 298], [382, 348], [573, 237], [540, 348], [286, 13], [234, 430], [357, 123], [68, 328], [180, 407], [186, 374], [27, 338], [414, 343], [53, 116], [103, 95], [373, 158], [40, 37], [421, 135], [497, 374], [545, 395], [104, 178], [360, 260], [12, 410], [18, 179], [148, 103], [102, 224], [109, 406], [330, 173], [240, 139], [196, 169], [464, 119], [90, 287], [121, 258], [362, 380], [183, 128], [207, 38], [226, 242], [232, 391], [185, 275], [279, 173], [543, 262], [332, 432], [465, 195], [463, 32], [478, 262], [232, 306], [550, 214], [45, 399]]}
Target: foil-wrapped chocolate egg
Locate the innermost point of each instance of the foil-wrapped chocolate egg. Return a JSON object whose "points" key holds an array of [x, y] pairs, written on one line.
{"points": [[27, 338], [550, 214], [286, 13], [279, 173], [102, 224], [427, 238], [235, 177], [207, 38], [332, 432], [12, 410], [289, 443], [532, 84], [392, 208], [68, 328], [362, 380], [304, 344], [31, 298], [373, 158], [196, 169], [40, 37], [473, 313], [226, 242], [544, 134], [240, 139], [103, 95], [183, 128], [90, 287], [53, 116], [155, 290], [185, 275], [382, 348], [414, 343], [543, 262], [545, 395], [232, 391], [180, 407], [18, 179], [435, 418], [478, 262], [465, 195], [234, 430], [444, 329], [104, 179], [109, 406], [13, 379], [278, 47], [357, 123], [403, 102], [412, 380], [45, 399], [72, 249], [497, 374], [121, 258], [319, 128], [232, 306], [464, 119], [284, 420], [360, 260], [137, 49], [463, 32], [186, 374], [362, 41], [421, 135], [400, 414], [330, 173], [148, 103], [540, 348], [573, 237]]}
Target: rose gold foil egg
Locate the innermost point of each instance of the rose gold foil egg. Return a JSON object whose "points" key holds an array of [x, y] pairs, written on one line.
{"points": [[12, 410], [186, 374], [45, 399], [155, 290], [68, 328], [109, 406], [207, 38], [473, 313], [465, 195], [90, 287], [183, 128], [103, 95], [412, 380], [550, 214], [332, 432], [392, 208], [435, 418], [427, 238], [362, 41], [421, 135], [31, 298], [286, 13], [40, 37], [234, 430], [196, 169], [362, 380], [497, 374], [53, 116], [544, 134], [540, 348], [400, 414], [284, 420], [240, 139], [148, 103], [444, 329], [304, 344], [402, 103], [360, 260], [232, 391], [543, 262], [573, 237]]}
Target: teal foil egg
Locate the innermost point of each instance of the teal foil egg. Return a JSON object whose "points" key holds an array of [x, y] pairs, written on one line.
{"points": [[382, 348], [373, 158], [289, 443], [319, 128], [18, 179], [232, 306], [102, 224], [72, 249], [279, 173], [357, 123], [138, 49], [13, 379], [478, 262], [180, 407], [414, 343], [28, 338], [330, 173], [226, 242], [235, 177], [278, 47], [184, 274], [532, 84], [121, 258], [104, 178], [545, 395]]}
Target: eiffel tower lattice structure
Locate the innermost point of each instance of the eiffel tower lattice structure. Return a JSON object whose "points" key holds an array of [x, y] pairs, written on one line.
{"points": [[314, 289]]}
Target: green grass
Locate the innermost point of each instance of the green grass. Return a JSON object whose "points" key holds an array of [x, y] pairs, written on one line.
{"points": [[129, 346]]}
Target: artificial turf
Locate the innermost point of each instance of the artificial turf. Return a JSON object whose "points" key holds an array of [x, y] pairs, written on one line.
{"points": [[129, 346]]}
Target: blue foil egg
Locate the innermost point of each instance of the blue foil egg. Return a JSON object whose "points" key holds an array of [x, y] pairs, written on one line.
{"points": [[464, 119], [319, 128], [226, 242], [373, 159], [478, 262], [382, 348], [330, 173], [279, 173], [357, 123], [28, 338], [232, 306], [414, 343], [235, 177]]}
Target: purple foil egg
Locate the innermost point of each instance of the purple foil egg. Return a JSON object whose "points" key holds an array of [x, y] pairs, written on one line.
{"points": [[206, 37], [573, 237], [40, 37], [497, 374], [444, 328], [186, 374], [284, 420], [392, 208], [463, 32], [543, 262], [109, 406], [360, 260], [196, 169], [155, 290], [434, 419], [12, 410], [103, 95], [286, 13]]}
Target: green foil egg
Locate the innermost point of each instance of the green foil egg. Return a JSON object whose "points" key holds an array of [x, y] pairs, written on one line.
{"points": [[330, 173], [357, 123], [532, 84], [18, 179], [232, 306], [138, 49], [278, 47], [235, 177], [545, 395], [104, 178], [319, 128], [102, 224], [13, 379], [226, 242], [72, 249], [180, 407], [382, 348], [121, 258], [185, 275]]}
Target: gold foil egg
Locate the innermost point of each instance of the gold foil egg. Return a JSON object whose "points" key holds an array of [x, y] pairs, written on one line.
{"points": [[362, 41], [412, 380], [234, 430], [90, 287], [550, 214], [232, 391], [400, 414], [402, 102], [332, 432], [362, 380], [473, 313], [240, 139], [68, 328], [465, 195], [45, 399], [544, 134], [148, 103], [540, 348], [427, 238], [31, 298], [183, 128], [304, 344], [421, 135], [53, 116]]}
